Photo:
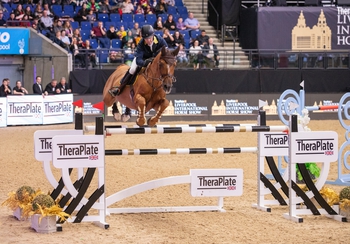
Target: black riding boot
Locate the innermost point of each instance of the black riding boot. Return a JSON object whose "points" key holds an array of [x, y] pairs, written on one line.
{"points": [[123, 83]]}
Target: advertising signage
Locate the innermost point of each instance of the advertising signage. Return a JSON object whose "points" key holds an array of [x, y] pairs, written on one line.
{"points": [[14, 41]]}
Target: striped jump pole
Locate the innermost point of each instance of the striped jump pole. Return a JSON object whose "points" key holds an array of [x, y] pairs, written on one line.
{"points": [[91, 128], [184, 151], [326, 107], [173, 130]]}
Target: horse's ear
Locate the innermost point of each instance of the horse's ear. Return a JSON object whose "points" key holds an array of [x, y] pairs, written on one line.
{"points": [[176, 51], [163, 51]]}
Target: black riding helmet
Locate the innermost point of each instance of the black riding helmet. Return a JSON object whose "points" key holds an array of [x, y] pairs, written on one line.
{"points": [[147, 31]]}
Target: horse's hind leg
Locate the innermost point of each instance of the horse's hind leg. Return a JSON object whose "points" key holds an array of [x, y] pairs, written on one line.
{"points": [[126, 115], [140, 103], [115, 112], [154, 120]]}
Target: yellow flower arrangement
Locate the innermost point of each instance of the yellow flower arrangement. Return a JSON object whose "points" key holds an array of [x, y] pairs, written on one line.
{"points": [[329, 195], [21, 198]]}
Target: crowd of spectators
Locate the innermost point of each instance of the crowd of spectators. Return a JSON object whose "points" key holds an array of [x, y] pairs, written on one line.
{"points": [[178, 30], [52, 88]]}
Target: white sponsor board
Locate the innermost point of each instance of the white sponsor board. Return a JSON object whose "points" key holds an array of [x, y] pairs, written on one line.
{"points": [[216, 182], [43, 142], [273, 144], [78, 151], [3, 112], [58, 109], [24, 110], [321, 146]]}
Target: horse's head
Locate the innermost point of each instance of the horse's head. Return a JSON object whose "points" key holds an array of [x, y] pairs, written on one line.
{"points": [[166, 60]]}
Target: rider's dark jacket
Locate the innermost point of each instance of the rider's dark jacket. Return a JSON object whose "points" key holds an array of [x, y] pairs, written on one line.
{"points": [[144, 52]]}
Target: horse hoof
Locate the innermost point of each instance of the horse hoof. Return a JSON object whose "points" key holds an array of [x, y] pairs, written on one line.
{"points": [[125, 117], [117, 116], [152, 122], [140, 121]]}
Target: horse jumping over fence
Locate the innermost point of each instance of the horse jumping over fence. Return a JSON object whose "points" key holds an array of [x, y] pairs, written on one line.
{"points": [[149, 89]]}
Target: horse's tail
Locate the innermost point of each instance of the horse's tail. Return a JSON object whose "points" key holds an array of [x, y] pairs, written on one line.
{"points": [[113, 81]]}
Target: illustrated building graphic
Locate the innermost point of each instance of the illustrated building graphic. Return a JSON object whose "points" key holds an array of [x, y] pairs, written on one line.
{"points": [[316, 38]]}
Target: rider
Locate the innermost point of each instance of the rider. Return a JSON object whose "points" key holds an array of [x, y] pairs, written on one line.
{"points": [[148, 47]]}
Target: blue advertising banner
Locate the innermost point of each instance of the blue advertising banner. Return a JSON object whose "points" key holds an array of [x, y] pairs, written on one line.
{"points": [[14, 41]]}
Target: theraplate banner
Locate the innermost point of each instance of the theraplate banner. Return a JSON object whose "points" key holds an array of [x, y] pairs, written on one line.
{"points": [[58, 109], [3, 117], [304, 28], [14, 41]]}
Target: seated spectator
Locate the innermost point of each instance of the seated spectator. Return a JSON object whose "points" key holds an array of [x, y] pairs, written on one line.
{"points": [[128, 7], [121, 32], [99, 32], [211, 53], [35, 24], [128, 38], [47, 8], [136, 30], [149, 10], [158, 25], [169, 39], [91, 16], [138, 38], [161, 7], [24, 22], [143, 4], [191, 23], [90, 55], [180, 25], [105, 8], [153, 4], [58, 40], [19, 89], [196, 55], [129, 52], [19, 12], [2, 20], [28, 11], [82, 13], [51, 88], [77, 35], [12, 21], [79, 58], [178, 39], [170, 23], [65, 38], [139, 10], [5, 88], [202, 38], [57, 26], [112, 33], [182, 56], [63, 86], [46, 21], [93, 5], [69, 30], [38, 11]]}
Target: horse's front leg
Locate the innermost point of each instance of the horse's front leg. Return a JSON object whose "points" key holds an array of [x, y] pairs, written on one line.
{"points": [[140, 103], [161, 107]]}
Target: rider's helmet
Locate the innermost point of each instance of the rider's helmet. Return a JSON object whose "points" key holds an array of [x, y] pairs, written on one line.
{"points": [[147, 31]]}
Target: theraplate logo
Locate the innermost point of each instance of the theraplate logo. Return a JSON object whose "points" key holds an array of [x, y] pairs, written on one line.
{"points": [[4, 41], [77, 151]]}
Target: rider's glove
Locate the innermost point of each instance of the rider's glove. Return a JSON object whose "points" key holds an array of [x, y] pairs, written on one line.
{"points": [[147, 62]]}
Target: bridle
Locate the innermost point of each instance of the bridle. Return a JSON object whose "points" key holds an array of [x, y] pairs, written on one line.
{"points": [[150, 80]]}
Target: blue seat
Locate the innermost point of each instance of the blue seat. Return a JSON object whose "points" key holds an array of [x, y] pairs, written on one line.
{"points": [[142, 23], [104, 43], [68, 10], [85, 25], [114, 17], [116, 43], [187, 43], [75, 25], [179, 3], [194, 34], [127, 18], [151, 18], [185, 34], [57, 9], [139, 18], [184, 16], [93, 43], [14, 6], [108, 24], [172, 10], [103, 17], [118, 24], [102, 56], [182, 10], [85, 34], [159, 32], [164, 16], [95, 24], [176, 17]]}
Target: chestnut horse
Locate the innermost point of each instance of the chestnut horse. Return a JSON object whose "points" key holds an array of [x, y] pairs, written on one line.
{"points": [[150, 88]]}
